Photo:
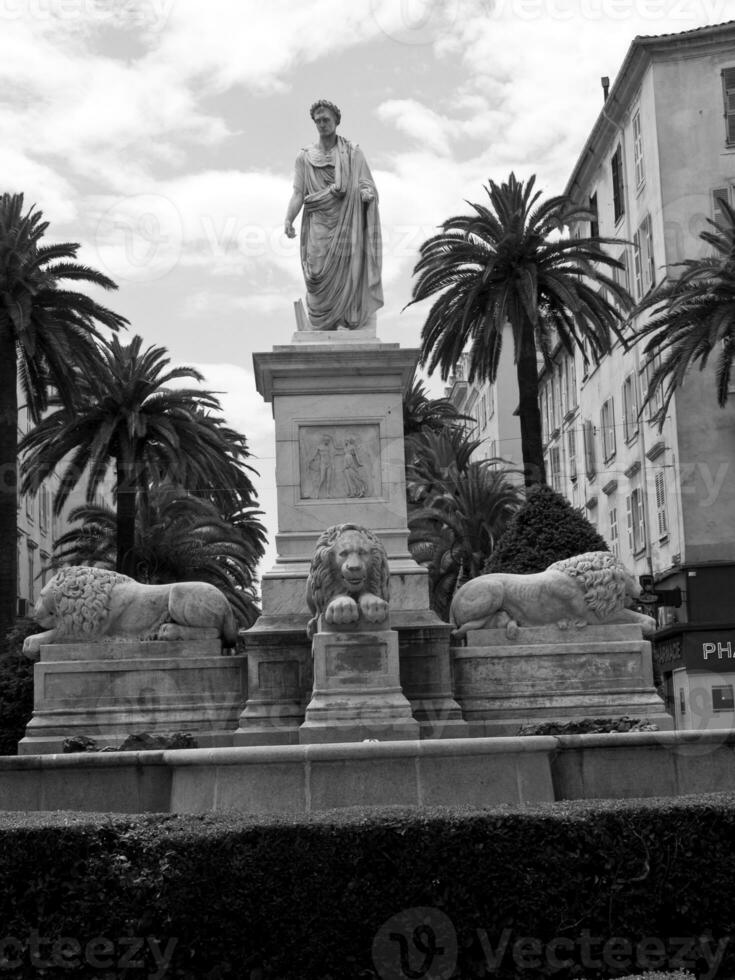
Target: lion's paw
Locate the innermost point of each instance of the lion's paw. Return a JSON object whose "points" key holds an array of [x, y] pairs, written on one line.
{"points": [[512, 629], [373, 608], [342, 609], [563, 624]]}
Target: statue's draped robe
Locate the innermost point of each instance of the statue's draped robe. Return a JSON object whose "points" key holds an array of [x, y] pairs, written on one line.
{"points": [[341, 248]]}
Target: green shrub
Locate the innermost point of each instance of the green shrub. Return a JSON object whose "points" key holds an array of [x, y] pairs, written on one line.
{"points": [[545, 529], [343, 894], [16, 687]]}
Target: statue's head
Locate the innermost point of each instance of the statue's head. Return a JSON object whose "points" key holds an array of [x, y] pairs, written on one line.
{"points": [[323, 104]]}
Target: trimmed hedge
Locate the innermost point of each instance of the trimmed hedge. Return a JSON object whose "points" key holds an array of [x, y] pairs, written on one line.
{"points": [[545, 529], [16, 687], [579, 889]]}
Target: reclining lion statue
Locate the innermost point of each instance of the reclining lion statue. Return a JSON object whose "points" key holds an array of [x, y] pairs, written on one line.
{"points": [[589, 589], [349, 578], [82, 604]]}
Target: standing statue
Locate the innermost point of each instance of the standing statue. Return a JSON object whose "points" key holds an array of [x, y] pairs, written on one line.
{"points": [[341, 249]]}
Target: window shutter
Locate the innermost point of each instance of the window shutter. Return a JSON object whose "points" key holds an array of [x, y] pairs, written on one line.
{"points": [[637, 265], [617, 183], [589, 450], [572, 453], [728, 91], [660, 485], [718, 195], [629, 517]]}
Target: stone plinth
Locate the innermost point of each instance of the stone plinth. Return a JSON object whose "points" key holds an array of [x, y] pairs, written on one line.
{"points": [[548, 674], [108, 691], [338, 409], [426, 674], [279, 681], [357, 690]]}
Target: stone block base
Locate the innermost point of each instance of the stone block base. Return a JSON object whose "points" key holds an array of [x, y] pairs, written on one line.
{"points": [[357, 691], [548, 674], [279, 681], [108, 691]]}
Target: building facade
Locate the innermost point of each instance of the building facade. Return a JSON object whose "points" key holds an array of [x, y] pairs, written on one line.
{"points": [[655, 167]]}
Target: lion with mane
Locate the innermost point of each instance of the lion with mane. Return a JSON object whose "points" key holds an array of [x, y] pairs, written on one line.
{"points": [[349, 578], [594, 588], [85, 604]]}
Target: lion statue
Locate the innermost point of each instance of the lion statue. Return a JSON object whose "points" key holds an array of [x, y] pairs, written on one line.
{"points": [[349, 578], [93, 604], [589, 589]]}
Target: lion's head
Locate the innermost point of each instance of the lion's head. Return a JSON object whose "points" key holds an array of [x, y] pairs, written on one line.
{"points": [[348, 560], [76, 601], [608, 585]]}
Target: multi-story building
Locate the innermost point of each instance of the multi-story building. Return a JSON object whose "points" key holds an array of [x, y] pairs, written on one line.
{"points": [[657, 164], [492, 407]]}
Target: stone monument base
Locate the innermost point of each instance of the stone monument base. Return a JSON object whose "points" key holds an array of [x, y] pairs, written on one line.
{"points": [[108, 691], [357, 690], [548, 674]]}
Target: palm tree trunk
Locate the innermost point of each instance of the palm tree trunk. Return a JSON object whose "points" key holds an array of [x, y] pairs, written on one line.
{"points": [[126, 497], [8, 481], [534, 468]]}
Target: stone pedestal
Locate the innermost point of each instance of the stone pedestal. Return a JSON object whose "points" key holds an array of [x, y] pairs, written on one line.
{"points": [[280, 678], [338, 409], [548, 674], [108, 691], [357, 690], [338, 406]]}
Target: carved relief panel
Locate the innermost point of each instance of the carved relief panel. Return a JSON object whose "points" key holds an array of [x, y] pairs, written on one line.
{"points": [[338, 461]]}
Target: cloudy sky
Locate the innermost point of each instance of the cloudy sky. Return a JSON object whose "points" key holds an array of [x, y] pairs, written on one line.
{"points": [[161, 135]]}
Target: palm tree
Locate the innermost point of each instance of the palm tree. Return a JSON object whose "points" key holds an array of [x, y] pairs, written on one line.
{"points": [[456, 508], [45, 331], [695, 317], [179, 538], [126, 415], [510, 264], [455, 528], [421, 412]]}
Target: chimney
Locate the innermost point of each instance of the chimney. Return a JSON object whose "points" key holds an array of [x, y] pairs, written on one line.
{"points": [[605, 82]]}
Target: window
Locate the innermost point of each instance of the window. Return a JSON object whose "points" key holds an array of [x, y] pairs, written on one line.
{"points": [[29, 507], [555, 468], [43, 509], [722, 698], [728, 94], [570, 375], [614, 539], [31, 570], [590, 465], [659, 483], [682, 702], [607, 428], [482, 415], [643, 261], [563, 393], [544, 406], [719, 195], [572, 453], [640, 172], [630, 408], [636, 521], [617, 182], [622, 276], [595, 218], [491, 401], [556, 401], [648, 370]]}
